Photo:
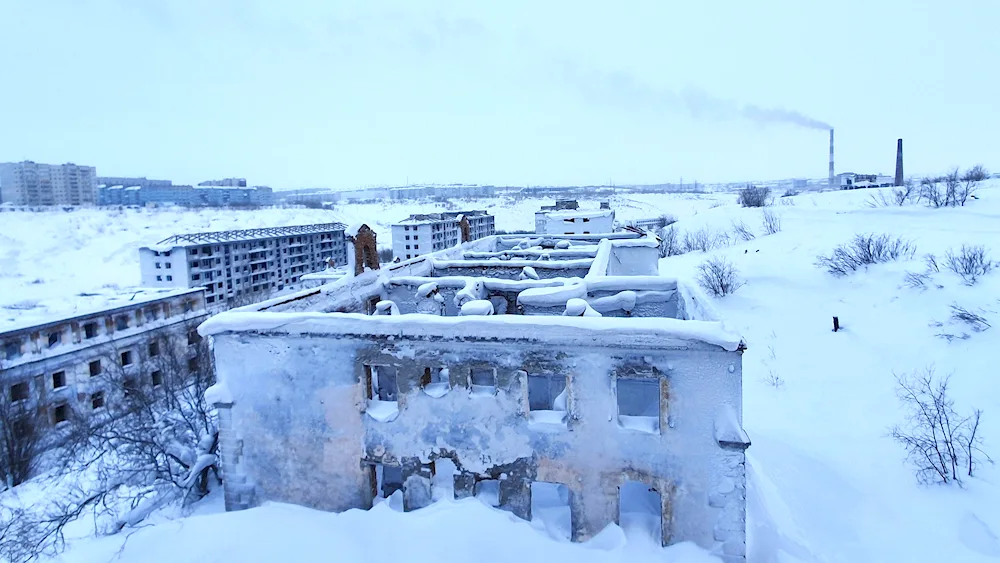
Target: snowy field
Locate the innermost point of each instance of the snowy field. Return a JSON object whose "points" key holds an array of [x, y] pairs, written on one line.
{"points": [[826, 482], [48, 258]]}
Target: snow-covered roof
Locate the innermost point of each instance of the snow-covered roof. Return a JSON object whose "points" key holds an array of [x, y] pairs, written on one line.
{"points": [[627, 332], [33, 314], [353, 230]]}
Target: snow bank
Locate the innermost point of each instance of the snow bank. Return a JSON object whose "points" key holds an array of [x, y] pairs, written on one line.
{"points": [[579, 308], [477, 307], [218, 394], [553, 296]]}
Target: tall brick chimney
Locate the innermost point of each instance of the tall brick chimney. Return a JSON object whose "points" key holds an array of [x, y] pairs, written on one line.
{"points": [[899, 162]]}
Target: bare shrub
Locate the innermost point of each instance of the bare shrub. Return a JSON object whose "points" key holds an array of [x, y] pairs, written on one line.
{"points": [[930, 192], [385, 254], [970, 263], [771, 221], [932, 263], [954, 188], [742, 232], [790, 192], [755, 196], [669, 243], [719, 277], [665, 220], [774, 380], [940, 444], [20, 434], [898, 197], [970, 180], [704, 239], [865, 250], [977, 322], [916, 280]]}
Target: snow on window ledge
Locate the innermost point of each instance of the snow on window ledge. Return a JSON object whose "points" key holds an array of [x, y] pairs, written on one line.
{"points": [[436, 390], [382, 411], [554, 419], [484, 390], [646, 424]]}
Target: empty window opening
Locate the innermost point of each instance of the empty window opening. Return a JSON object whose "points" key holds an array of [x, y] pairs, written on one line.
{"points": [[19, 392], [154, 349], [90, 330], [382, 392], [639, 404], [157, 377], [12, 350], [60, 414], [95, 368], [550, 509], [54, 338], [435, 382], [443, 479], [126, 358], [58, 379], [483, 381], [388, 485], [487, 491], [97, 400], [640, 510], [547, 398], [121, 323]]}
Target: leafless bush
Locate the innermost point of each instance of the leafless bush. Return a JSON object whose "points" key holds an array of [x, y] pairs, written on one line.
{"points": [[970, 263], [774, 380], [755, 196], [742, 232], [977, 322], [917, 280], [704, 239], [385, 254], [940, 444], [897, 197], [932, 263], [669, 243], [665, 220], [771, 221], [865, 250], [719, 277], [954, 188], [790, 192]]}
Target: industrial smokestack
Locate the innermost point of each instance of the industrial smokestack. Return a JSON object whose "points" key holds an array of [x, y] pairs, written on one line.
{"points": [[899, 162], [831, 157]]}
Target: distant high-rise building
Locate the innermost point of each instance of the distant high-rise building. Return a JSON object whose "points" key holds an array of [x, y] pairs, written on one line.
{"points": [[226, 183], [30, 183]]}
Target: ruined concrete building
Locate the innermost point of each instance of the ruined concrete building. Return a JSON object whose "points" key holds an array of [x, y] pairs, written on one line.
{"points": [[545, 376]]}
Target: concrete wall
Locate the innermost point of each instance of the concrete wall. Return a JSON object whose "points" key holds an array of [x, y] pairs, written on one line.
{"points": [[298, 431]]}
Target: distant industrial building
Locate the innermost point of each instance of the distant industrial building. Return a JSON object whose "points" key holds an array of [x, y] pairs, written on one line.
{"points": [[425, 233], [449, 191], [238, 267], [852, 181], [31, 183]]}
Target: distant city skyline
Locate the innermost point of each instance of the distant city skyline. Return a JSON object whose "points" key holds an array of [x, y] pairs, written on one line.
{"points": [[311, 94]]}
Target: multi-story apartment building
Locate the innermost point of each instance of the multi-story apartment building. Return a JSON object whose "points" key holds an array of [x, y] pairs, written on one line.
{"points": [[226, 182], [57, 367], [430, 232], [131, 181], [167, 194], [236, 267], [30, 183]]}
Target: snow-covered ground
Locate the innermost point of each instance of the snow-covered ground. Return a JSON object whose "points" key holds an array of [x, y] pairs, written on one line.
{"points": [[48, 258], [826, 483]]}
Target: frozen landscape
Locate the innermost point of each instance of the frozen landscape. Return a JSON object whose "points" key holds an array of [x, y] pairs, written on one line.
{"points": [[826, 481]]}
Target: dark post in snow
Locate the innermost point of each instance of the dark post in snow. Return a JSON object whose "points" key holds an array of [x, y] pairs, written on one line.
{"points": [[836, 324]]}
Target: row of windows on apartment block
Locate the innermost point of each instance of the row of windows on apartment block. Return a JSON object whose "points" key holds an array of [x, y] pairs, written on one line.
{"points": [[269, 243], [638, 398], [21, 391], [13, 347]]}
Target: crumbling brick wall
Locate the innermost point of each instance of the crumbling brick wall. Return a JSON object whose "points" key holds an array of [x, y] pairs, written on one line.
{"points": [[466, 229], [365, 250]]}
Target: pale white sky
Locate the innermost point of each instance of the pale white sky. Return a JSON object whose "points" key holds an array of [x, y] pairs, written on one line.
{"points": [[322, 93]]}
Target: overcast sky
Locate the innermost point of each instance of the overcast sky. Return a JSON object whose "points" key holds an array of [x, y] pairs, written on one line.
{"points": [[322, 93]]}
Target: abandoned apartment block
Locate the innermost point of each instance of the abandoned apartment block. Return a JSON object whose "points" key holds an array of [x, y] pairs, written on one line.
{"points": [[543, 375]]}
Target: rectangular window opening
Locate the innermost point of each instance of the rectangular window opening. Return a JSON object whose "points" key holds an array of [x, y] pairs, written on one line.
{"points": [[90, 330], [386, 480], [97, 400], [154, 349], [19, 392], [547, 398], [54, 338], [639, 404], [95, 368], [640, 508], [483, 381], [550, 506], [126, 358], [60, 414], [435, 382], [58, 379], [157, 377]]}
